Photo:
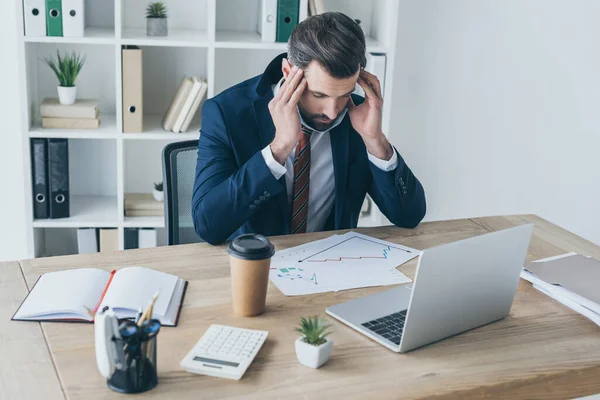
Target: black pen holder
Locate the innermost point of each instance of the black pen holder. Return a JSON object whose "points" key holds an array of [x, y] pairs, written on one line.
{"points": [[139, 372]]}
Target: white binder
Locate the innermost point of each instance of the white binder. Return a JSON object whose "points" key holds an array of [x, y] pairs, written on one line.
{"points": [[267, 20], [375, 65], [303, 12], [35, 17], [73, 18]]}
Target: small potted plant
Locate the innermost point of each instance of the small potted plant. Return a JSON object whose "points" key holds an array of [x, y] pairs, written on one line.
{"points": [[66, 68], [314, 346], [156, 19], [157, 192]]}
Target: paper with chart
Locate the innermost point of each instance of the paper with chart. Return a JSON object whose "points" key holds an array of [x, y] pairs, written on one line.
{"points": [[339, 262]]}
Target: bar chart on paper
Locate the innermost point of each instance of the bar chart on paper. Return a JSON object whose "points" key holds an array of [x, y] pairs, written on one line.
{"points": [[339, 262]]}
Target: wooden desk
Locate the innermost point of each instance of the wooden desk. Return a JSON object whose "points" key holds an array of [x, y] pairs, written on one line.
{"points": [[542, 350]]}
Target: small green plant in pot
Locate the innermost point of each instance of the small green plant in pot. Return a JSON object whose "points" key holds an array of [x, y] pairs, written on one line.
{"points": [[314, 346], [66, 68], [156, 19]]}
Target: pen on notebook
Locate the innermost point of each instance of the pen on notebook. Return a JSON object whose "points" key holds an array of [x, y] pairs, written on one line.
{"points": [[148, 313]]}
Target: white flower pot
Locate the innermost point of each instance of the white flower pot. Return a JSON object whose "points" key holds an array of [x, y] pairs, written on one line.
{"points": [[67, 95], [158, 195], [313, 356]]}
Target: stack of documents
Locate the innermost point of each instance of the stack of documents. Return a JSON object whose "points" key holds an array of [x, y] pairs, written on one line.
{"points": [[572, 279], [339, 262], [83, 114]]}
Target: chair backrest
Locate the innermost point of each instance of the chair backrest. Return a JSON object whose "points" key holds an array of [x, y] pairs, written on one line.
{"points": [[179, 172]]}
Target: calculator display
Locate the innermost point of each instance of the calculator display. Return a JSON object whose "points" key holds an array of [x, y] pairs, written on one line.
{"points": [[218, 362]]}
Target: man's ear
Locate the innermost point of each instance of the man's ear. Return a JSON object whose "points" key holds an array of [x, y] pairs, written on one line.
{"points": [[286, 67]]}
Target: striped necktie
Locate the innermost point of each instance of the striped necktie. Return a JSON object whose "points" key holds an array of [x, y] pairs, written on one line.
{"points": [[301, 183]]}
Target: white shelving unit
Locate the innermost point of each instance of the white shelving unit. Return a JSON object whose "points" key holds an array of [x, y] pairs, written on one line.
{"points": [[213, 39]]}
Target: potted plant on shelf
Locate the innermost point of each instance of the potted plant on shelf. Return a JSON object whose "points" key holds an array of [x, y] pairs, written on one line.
{"points": [[66, 68], [156, 19], [314, 346], [157, 192]]}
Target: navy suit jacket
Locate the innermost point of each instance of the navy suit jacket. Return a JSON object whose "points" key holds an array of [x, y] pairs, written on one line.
{"points": [[236, 193]]}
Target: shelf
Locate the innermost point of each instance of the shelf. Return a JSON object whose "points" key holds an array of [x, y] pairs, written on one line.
{"points": [[144, 222], [244, 40], [91, 36], [107, 130], [86, 211], [373, 46], [176, 38], [153, 130]]}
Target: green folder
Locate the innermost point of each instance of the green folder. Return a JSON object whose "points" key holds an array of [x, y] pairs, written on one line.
{"points": [[287, 18], [54, 22]]}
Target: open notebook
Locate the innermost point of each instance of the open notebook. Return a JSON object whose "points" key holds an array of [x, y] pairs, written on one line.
{"points": [[70, 295]]}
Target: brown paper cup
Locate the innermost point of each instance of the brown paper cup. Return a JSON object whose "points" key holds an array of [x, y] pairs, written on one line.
{"points": [[249, 281], [250, 260]]}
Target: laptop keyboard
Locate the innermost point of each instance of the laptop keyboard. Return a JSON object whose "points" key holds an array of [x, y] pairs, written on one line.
{"points": [[389, 326]]}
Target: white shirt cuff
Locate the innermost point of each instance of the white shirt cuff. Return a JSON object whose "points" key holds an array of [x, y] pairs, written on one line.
{"points": [[277, 169], [385, 165]]}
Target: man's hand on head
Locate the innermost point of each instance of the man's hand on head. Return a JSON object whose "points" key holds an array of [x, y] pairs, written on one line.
{"points": [[366, 118]]}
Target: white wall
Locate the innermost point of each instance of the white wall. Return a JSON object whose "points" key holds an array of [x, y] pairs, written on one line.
{"points": [[12, 201], [496, 106]]}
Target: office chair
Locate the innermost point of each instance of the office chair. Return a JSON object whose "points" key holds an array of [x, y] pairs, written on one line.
{"points": [[179, 171]]}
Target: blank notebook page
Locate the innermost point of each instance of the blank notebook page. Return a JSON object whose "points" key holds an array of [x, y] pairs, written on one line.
{"points": [[65, 291], [133, 287]]}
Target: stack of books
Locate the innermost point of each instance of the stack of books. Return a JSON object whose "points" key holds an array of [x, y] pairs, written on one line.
{"points": [[83, 114], [143, 205], [184, 105]]}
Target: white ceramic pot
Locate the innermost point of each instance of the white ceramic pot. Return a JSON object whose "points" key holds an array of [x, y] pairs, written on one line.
{"points": [[313, 356], [67, 95], [158, 195]]}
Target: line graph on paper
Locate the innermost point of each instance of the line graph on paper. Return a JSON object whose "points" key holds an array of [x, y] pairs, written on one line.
{"points": [[355, 248], [293, 273]]}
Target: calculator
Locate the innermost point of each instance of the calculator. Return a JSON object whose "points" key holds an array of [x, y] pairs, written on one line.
{"points": [[224, 351]]}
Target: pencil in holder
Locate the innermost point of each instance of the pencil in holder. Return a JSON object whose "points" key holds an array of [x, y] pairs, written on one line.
{"points": [[138, 373]]}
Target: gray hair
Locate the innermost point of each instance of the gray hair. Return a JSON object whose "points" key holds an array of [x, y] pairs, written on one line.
{"points": [[333, 40]]}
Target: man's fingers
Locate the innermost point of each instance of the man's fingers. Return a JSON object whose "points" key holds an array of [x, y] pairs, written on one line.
{"points": [[298, 92], [294, 80], [372, 81]]}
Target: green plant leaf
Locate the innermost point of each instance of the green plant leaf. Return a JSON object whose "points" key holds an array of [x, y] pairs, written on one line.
{"points": [[66, 67], [156, 9], [313, 330]]}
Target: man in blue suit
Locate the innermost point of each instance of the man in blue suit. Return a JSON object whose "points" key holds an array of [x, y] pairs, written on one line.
{"points": [[293, 150]]}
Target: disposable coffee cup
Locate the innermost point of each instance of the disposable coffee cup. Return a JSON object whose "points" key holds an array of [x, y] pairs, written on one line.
{"points": [[250, 260]]}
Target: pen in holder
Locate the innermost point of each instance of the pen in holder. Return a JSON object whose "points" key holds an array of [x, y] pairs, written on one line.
{"points": [[136, 349]]}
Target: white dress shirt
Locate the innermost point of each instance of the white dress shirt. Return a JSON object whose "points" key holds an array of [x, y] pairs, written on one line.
{"points": [[321, 193]]}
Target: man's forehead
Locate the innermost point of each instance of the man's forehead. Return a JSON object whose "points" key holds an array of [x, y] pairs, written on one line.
{"points": [[319, 80]]}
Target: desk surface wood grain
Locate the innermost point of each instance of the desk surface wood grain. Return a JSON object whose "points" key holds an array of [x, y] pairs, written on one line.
{"points": [[541, 350]]}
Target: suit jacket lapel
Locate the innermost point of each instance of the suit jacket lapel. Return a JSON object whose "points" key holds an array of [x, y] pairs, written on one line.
{"points": [[340, 136], [266, 131]]}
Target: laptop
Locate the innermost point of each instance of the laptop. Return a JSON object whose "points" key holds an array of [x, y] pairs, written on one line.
{"points": [[457, 287]]}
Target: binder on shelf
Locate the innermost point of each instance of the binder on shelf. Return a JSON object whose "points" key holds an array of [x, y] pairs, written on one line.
{"points": [[109, 240], [73, 18], [147, 238], [39, 171], [287, 18], [54, 23], [35, 17], [303, 10], [267, 23], [131, 238], [58, 171], [87, 240], [132, 79]]}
